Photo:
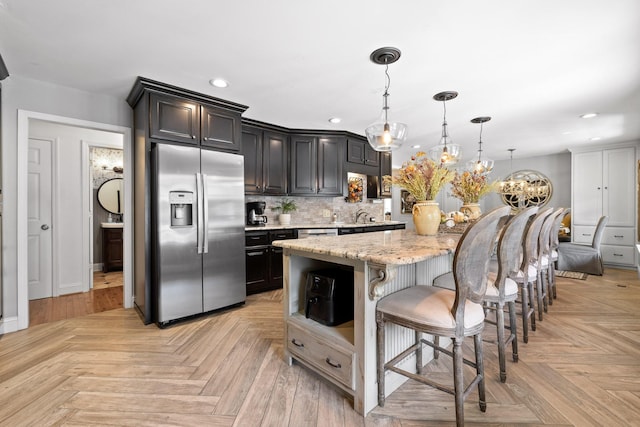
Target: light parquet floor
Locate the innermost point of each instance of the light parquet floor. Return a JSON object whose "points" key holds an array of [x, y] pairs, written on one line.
{"points": [[580, 368]]}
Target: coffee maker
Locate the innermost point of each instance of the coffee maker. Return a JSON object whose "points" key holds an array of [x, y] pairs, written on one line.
{"points": [[255, 213]]}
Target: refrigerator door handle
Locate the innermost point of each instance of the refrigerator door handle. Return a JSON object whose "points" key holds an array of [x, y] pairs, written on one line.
{"points": [[199, 210], [205, 216]]}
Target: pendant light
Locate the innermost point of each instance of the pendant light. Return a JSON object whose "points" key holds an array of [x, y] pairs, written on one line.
{"points": [[481, 166], [445, 152], [384, 135]]}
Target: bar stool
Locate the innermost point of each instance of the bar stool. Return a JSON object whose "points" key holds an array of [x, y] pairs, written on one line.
{"points": [[501, 289], [442, 312], [550, 253]]}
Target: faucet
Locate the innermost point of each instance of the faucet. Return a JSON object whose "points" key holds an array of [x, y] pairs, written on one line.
{"points": [[359, 213]]}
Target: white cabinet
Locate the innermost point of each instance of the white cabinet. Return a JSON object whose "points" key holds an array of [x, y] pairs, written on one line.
{"points": [[603, 183]]}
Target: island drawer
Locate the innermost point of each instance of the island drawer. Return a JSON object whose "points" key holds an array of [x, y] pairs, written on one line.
{"points": [[331, 360]]}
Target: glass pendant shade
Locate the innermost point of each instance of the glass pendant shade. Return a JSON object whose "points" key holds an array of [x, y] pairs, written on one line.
{"points": [[480, 165], [446, 152], [386, 136]]}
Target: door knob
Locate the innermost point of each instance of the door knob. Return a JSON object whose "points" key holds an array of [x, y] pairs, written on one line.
{"points": [[44, 227]]}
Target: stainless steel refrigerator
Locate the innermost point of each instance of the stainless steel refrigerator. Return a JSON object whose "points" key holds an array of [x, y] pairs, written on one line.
{"points": [[198, 216]]}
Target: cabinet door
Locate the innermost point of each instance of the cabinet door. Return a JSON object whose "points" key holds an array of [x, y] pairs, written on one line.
{"points": [[587, 188], [174, 119], [619, 186], [355, 151], [371, 156], [385, 169], [275, 273], [220, 129], [112, 249], [303, 165], [274, 164], [257, 269], [330, 166], [252, 151]]}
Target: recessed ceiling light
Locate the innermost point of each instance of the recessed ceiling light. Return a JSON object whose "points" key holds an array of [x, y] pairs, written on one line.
{"points": [[566, 133], [589, 115], [595, 138], [219, 82], [335, 120], [416, 146]]}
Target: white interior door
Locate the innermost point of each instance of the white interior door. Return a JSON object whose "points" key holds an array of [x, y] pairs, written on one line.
{"points": [[39, 219]]}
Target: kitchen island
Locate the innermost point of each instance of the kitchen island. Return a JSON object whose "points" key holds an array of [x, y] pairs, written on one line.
{"points": [[382, 263]]}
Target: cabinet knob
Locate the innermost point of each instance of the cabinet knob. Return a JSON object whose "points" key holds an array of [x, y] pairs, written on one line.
{"points": [[193, 137]]}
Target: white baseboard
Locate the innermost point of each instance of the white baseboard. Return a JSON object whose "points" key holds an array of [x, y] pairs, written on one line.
{"points": [[8, 324]]}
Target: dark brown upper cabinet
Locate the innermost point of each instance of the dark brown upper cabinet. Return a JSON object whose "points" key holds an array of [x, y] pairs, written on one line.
{"points": [[265, 161], [174, 119], [359, 151], [220, 129], [316, 165], [178, 115]]}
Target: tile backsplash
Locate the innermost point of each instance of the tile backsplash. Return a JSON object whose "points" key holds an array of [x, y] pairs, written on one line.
{"points": [[311, 210]]}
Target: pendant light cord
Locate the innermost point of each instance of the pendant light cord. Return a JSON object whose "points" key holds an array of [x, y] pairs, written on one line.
{"points": [[387, 83], [480, 144]]}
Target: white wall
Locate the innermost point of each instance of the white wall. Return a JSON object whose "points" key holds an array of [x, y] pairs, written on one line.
{"points": [[20, 93]]}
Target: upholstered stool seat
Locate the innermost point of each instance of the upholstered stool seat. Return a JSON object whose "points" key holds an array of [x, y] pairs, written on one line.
{"points": [[431, 305]]}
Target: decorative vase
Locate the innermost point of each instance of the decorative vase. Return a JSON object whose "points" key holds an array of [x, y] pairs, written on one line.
{"points": [[472, 210], [426, 217], [284, 219]]}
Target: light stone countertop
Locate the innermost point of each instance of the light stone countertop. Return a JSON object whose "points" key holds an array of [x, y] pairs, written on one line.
{"points": [[327, 225], [385, 247]]}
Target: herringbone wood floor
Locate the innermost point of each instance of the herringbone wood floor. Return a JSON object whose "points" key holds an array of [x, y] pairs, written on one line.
{"points": [[581, 367]]}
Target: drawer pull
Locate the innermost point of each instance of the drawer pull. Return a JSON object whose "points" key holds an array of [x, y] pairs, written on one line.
{"points": [[255, 253], [255, 238], [586, 234], [296, 343], [619, 237], [333, 364], [618, 255]]}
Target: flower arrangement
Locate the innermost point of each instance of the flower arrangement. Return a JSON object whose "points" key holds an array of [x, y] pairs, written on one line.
{"points": [[421, 176], [470, 187]]}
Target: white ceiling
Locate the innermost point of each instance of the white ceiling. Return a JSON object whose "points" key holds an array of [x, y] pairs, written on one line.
{"points": [[534, 66]]}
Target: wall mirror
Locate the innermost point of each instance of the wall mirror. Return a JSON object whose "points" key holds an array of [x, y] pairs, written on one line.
{"points": [[110, 195]]}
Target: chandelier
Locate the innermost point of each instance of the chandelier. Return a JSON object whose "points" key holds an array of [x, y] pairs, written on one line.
{"points": [[446, 152], [481, 166], [382, 134], [525, 188]]}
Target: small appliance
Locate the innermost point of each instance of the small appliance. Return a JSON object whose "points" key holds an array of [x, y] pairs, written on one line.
{"points": [[255, 213], [329, 296]]}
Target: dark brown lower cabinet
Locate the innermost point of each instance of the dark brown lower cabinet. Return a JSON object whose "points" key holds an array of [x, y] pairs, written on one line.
{"points": [[112, 249], [263, 261]]}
